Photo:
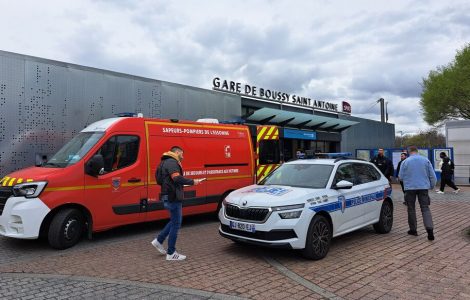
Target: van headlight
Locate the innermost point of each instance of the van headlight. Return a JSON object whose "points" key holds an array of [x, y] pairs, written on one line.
{"points": [[29, 189], [289, 214]]}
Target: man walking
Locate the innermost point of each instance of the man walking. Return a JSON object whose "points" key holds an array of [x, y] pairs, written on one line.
{"points": [[172, 195], [402, 158], [384, 164], [418, 177], [447, 171]]}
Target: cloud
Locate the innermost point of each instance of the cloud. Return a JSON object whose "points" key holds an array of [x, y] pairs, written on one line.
{"points": [[327, 50]]}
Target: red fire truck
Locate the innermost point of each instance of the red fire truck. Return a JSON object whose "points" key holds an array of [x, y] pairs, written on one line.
{"points": [[68, 195]]}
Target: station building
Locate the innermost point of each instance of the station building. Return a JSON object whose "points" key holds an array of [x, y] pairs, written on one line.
{"points": [[44, 103]]}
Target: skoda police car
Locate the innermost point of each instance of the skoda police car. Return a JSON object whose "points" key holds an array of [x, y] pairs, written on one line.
{"points": [[305, 203]]}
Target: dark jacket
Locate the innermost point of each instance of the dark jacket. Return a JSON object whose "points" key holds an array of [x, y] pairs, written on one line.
{"points": [[384, 164], [398, 169], [173, 187], [447, 170]]}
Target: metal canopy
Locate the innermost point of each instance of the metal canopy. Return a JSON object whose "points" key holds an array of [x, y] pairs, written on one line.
{"points": [[298, 120]]}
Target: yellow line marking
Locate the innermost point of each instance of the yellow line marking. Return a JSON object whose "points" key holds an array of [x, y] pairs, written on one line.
{"points": [[20, 180], [29, 180]]}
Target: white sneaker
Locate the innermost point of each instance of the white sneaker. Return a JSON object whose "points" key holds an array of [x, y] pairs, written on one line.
{"points": [[440, 192], [175, 256], [159, 246], [457, 191]]}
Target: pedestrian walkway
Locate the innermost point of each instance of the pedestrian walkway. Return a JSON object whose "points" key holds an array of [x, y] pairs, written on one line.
{"points": [[360, 265]]}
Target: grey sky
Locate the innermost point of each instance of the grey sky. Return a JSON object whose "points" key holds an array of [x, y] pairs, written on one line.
{"points": [[357, 51]]}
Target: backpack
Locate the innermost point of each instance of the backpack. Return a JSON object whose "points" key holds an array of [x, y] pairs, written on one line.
{"points": [[159, 174]]}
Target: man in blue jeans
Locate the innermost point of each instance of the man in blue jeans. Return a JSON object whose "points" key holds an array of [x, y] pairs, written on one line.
{"points": [[418, 177], [172, 195]]}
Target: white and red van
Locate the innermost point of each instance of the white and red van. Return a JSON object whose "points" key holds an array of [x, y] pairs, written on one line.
{"points": [[105, 177]]}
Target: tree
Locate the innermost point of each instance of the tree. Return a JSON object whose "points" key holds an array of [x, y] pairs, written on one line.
{"points": [[446, 91], [430, 138]]}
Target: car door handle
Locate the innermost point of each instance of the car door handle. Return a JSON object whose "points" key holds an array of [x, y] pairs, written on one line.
{"points": [[134, 179]]}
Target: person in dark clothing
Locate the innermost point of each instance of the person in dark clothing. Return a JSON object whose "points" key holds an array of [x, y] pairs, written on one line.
{"points": [[384, 164], [402, 158], [172, 195], [447, 171]]}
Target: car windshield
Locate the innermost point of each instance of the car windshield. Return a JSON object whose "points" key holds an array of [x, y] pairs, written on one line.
{"points": [[313, 176], [74, 150]]}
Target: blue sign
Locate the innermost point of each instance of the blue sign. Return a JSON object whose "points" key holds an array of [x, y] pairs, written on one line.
{"points": [[299, 134]]}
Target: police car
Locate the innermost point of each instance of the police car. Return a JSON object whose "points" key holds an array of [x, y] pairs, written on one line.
{"points": [[305, 203]]}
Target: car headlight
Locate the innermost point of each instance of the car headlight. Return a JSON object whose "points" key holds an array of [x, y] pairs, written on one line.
{"points": [[288, 207], [29, 189], [290, 214]]}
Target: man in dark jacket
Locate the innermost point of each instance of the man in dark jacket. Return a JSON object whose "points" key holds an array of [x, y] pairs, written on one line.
{"points": [[384, 164], [172, 195], [447, 171], [402, 158]]}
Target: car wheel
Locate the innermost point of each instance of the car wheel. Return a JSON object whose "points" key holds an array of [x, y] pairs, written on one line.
{"points": [[66, 229], [318, 238], [386, 218]]}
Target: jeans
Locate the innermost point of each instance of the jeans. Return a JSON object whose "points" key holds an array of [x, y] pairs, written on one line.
{"points": [[424, 202], [171, 229]]}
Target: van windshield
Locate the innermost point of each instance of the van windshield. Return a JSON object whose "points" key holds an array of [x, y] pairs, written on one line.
{"points": [[312, 176], [74, 150]]}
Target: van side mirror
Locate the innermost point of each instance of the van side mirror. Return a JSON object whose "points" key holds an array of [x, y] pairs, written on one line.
{"points": [[95, 165], [343, 184]]}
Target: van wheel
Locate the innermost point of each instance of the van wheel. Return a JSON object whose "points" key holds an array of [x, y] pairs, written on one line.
{"points": [[66, 228], [318, 238], [386, 218]]}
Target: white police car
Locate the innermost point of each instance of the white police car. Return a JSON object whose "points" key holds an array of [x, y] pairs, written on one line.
{"points": [[304, 203]]}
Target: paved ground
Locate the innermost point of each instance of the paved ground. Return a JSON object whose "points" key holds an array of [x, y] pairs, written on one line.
{"points": [[362, 265]]}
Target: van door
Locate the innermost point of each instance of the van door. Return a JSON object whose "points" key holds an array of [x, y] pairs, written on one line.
{"points": [[120, 192]]}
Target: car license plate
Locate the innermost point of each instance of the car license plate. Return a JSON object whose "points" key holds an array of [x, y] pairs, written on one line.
{"points": [[242, 226]]}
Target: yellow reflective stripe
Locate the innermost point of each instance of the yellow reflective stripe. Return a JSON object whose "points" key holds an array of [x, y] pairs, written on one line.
{"points": [[268, 169], [260, 170], [20, 180], [100, 186], [261, 133], [11, 182], [5, 180], [66, 188], [29, 180], [274, 137], [269, 133], [133, 184]]}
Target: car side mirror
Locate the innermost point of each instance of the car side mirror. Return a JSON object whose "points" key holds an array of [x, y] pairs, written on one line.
{"points": [[95, 165], [343, 184]]}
